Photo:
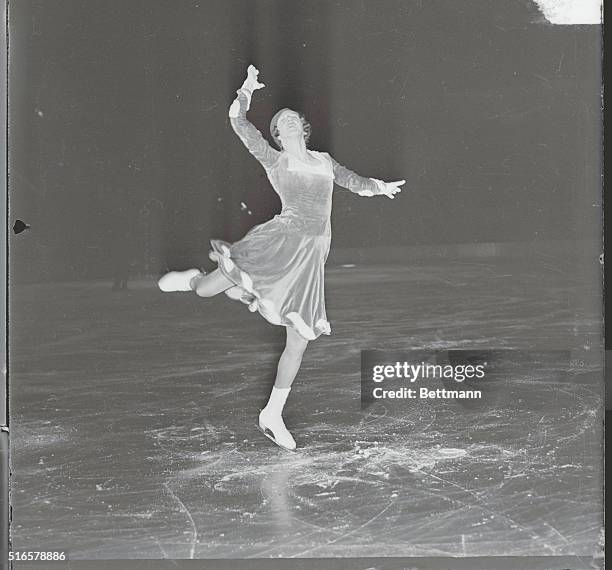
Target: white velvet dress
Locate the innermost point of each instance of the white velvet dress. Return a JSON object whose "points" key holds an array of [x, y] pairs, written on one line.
{"points": [[278, 266]]}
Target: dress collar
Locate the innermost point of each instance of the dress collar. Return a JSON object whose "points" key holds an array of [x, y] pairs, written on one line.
{"points": [[294, 164]]}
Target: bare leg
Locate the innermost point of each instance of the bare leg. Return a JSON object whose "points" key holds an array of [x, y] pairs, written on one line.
{"points": [[290, 360], [211, 284]]}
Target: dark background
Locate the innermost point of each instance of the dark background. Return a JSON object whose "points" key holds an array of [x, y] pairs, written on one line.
{"points": [[120, 143]]}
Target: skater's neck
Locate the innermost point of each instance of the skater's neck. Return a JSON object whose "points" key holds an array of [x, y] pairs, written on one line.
{"points": [[296, 147]]}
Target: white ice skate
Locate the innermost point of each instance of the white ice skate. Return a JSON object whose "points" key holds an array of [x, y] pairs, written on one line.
{"points": [[177, 280], [273, 428]]}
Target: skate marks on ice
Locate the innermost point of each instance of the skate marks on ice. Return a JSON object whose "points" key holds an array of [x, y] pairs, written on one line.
{"points": [[397, 486], [426, 483], [142, 442]]}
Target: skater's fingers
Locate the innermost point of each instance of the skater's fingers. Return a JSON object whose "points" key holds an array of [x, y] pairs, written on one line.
{"points": [[391, 191], [397, 182]]}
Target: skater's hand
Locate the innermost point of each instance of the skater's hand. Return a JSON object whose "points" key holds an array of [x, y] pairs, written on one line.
{"points": [[251, 83], [390, 189]]}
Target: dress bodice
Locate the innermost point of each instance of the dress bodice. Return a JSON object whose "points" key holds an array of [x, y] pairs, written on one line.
{"points": [[305, 191]]}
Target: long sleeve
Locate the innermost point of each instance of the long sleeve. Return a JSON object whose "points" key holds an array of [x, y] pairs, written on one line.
{"points": [[355, 183], [256, 144]]}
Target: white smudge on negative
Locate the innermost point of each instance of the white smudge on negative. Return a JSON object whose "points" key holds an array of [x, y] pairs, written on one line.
{"points": [[568, 12]]}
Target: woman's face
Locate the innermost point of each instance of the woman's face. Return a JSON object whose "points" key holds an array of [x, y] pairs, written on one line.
{"points": [[289, 125]]}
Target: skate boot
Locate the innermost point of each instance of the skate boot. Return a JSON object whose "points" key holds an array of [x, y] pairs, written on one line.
{"points": [[273, 427], [178, 280]]}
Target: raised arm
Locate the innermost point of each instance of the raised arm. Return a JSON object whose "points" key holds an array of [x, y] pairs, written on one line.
{"points": [[363, 186], [256, 144]]}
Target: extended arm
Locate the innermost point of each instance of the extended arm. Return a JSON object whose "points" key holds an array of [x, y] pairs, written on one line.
{"points": [[353, 182], [363, 186], [256, 144]]}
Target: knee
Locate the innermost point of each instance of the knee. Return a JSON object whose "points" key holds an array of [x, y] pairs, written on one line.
{"points": [[296, 348]]}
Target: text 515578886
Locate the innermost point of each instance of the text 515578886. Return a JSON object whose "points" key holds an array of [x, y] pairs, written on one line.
{"points": [[37, 555]]}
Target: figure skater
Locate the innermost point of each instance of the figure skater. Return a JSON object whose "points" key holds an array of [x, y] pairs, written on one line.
{"points": [[277, 267]]}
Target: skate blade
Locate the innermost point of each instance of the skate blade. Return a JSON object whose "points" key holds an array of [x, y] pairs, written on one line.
{"points": [[267, 433]]}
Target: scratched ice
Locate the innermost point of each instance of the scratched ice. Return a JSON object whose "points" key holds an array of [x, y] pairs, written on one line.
{"points": [[136, 437]]}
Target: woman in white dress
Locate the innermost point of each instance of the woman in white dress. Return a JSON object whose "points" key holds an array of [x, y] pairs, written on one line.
{"points": [[277, 269]]}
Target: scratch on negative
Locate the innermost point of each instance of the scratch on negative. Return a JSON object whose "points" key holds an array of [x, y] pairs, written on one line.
{"points": [[194, 538]]}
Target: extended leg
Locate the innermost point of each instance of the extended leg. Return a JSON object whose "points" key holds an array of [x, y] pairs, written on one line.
{"points": [[194, 280], [270, 418], [211, 284]]}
